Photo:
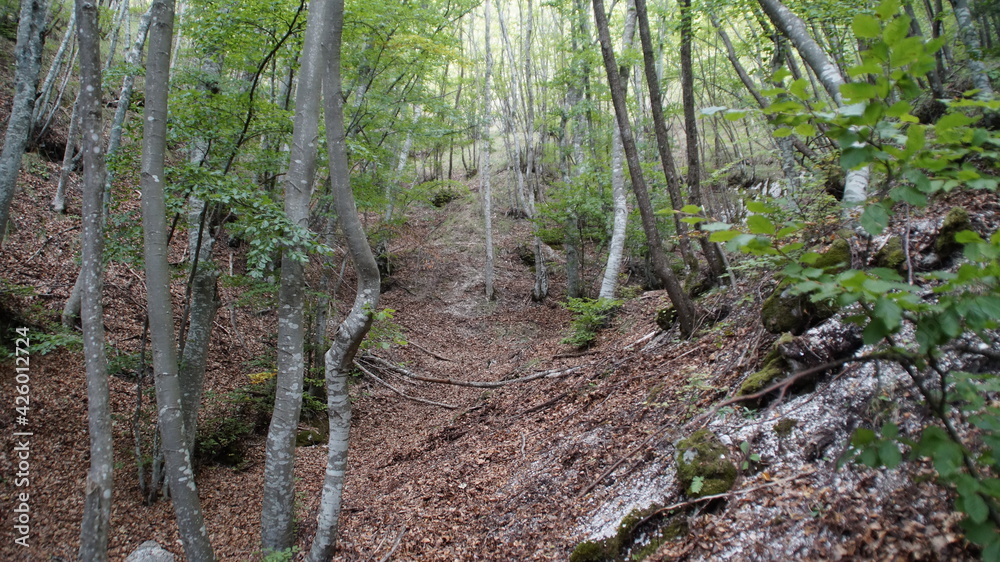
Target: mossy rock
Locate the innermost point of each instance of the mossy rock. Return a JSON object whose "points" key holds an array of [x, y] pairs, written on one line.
{"points": [[785, 426], [955, 221], [639, 535], [665, 317], [784, 311], [308, 437], [775, 368], [703, 455], [891, 256]]}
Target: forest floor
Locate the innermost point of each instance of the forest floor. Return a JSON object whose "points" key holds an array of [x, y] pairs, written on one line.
{"points": [[524, 471]]}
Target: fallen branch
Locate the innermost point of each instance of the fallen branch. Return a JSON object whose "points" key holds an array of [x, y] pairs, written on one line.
{"points": [[395, 545], [427, 351], [457, 382], [400, 392], [734, 493]]}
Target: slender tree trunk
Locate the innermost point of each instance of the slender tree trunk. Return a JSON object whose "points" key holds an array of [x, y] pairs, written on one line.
{"points": [[484, 166], [28, 55], [615, 250], [354, 327], [278, 512], [184, 492], [59, 200], [662, 136], [45, 91], [682, 303], [97, 498]]}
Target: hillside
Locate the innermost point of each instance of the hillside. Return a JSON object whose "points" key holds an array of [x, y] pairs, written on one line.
{"points": [[520, 472]]}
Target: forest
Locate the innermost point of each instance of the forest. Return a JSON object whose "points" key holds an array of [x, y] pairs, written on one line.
{"points": [[499, 280]]}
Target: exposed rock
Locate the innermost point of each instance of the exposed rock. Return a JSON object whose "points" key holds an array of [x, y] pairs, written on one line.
{"points": [[150, 551], [703, 456], [775, 368]]}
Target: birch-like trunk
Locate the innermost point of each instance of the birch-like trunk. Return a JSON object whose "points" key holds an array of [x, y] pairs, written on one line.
{"points": [[184, 492], [28, 56], [278, 510], [354, 327], [59, 200], [98, 491], [973, 48], [791, 26], [616, 248]]}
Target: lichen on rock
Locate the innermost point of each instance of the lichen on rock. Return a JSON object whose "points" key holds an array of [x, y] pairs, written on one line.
{"points": [[775, 368], [703, 456]]}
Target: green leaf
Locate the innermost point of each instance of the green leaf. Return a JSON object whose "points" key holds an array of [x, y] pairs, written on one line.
{"points": [[887, 9], [888, 312], [853, 157], [691, 209], [782, 132], [723, 235], [888, 453], [806, 129], [760, 225], [976, 508], [875, 219], [799, 88], [759, 208], [896, 31], [715, 226], [866, 26], [968, 236], [857, 91]]}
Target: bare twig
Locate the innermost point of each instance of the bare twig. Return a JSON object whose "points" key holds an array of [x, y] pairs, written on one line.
{"points": [[375, 377], [395, 545], [427, 351], [734, 493]]}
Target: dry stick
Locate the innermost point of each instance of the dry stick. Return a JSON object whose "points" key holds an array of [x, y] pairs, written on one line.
{"points": [[427, 351], [457, 382], [400, 392], [395, 545], [49, 239]]}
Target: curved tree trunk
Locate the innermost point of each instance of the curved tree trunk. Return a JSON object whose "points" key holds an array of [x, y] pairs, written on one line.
{"points": [[278, 511], [184, 492], [28, 54], [97, 499], [354, 327], [682, 303]]}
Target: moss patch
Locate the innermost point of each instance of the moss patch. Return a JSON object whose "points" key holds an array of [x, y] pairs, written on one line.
{"points": [[891, 256], [955, 221], [639, 535], [785, 311], [775, 368], [784, 427], [665, 317], [703, 456]]}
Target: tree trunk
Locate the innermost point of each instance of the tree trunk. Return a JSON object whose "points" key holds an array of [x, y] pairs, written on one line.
{"points": [[45, 91], [682, 303], [484, 166], [713, 254], [615, 250], [278, 511], [59, 200], [662, 137], [184, 492], [28, 56], [97, 495], [856, 182], [354, 327], [973, 48]]}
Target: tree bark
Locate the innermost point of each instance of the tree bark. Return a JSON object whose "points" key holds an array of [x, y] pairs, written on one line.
{"points": [[45, 91], [484, 166], [354, 327], [184, 492], [682, 303], [615, 250], [973, 48], [59, 200], [28, 56], [98, 491], [278, 511]]}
